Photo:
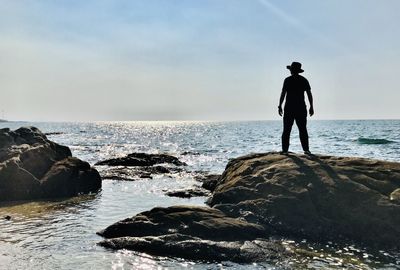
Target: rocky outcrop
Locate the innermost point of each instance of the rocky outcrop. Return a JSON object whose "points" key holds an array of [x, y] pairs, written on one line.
{"points": [[263, 196], [318, 197], [192, 232], [33, 167]]}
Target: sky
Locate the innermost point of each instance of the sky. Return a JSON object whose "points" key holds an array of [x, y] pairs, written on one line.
{"points": [[104, 60]]}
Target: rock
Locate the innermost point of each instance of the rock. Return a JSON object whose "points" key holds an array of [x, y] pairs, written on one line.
{"points": [[209, 181], [190, 153], [33, 167], [196, 221], [192, 232], [69, 177], [193, 248], [53, 133], [142, 159], [317, 197], [188, 193], [395, 196], [134, 173], [7, 217]]}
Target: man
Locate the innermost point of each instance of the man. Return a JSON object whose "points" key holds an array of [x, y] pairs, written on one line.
{"points": [[295, 109]]}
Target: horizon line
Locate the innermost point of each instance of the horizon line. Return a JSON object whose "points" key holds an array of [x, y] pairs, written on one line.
{"points": [[248, 120]]}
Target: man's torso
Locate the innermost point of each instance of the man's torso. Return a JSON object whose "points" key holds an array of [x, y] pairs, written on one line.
{"points": [[295, 86]]}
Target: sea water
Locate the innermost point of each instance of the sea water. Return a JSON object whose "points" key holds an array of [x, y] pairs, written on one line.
{"points": [[61, 234]]}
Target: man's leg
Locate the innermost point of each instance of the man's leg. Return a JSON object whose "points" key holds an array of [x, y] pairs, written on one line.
{"points": [[301, 122], [288, 120]]}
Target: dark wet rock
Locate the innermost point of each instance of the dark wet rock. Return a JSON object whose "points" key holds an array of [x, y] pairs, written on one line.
{"points": [[7, 217], [142, 159], [317, 197], [53, 133], [188, 193], [32, 167], [209, 181], [190, 153], [196, 221], [194, 248], [192, 232], [135, 173]]}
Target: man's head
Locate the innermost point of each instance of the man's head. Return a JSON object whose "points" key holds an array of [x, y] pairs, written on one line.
{"points": [[295, 68]]}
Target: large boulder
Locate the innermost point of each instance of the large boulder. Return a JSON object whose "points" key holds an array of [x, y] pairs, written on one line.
{"points": [[318, 197], [33, 167], [192, 232]]}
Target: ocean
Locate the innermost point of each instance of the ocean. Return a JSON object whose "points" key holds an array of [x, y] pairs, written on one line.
{"points": [[61, 234]]}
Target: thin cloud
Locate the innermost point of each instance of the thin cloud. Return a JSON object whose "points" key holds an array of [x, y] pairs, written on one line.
{"points": [[300, 26]]}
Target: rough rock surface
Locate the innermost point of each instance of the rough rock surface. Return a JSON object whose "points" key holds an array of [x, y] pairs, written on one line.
{"points": [[142, 159], [192, 232], [197, 221], [32, 167], [319, 197], [194, 248], [209, 181]]}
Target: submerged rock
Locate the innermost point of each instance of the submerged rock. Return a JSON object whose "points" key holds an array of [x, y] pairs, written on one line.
{"points": [[53, 133], [142, 159], [318, 197], [188, 193], [33, 167], [127, 173], [138, 166], [192, 232]]}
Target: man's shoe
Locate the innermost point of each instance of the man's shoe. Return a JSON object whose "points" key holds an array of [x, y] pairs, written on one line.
{"points": [[284, 152], [307, 152]]}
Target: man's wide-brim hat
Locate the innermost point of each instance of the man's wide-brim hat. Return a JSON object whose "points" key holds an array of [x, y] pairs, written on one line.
{"points": [[296, 67]]}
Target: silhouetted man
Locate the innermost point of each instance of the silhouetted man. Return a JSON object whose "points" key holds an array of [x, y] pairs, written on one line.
{"points": [[294, 87]]}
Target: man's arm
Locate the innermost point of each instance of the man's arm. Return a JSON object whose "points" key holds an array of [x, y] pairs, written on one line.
{"points": [[283, 94], [281, 99], [310, 100]]}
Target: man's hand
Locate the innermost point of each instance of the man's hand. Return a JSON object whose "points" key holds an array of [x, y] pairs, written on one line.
{"points": [[311, 111], [280, 110]]}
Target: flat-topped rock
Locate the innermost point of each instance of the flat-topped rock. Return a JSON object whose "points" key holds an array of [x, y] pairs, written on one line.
{"points": [[196, 221], [318, 197], [193, 232], [33, 167]]}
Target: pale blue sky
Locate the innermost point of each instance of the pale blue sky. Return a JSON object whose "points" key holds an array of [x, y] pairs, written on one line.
{"points": [[195, 60]]}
